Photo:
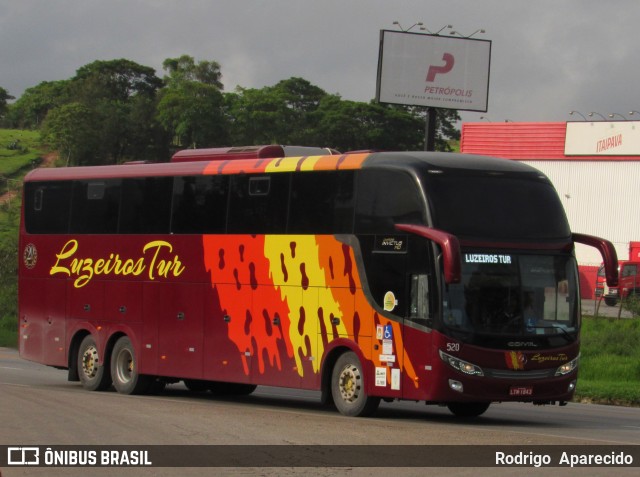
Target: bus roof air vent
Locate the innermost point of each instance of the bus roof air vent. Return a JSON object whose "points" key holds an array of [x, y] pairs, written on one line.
{"points": [[249, 152]]}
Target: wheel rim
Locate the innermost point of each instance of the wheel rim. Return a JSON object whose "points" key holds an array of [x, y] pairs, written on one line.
{"points": [[124, 366], [90, 362], [349, 383]]}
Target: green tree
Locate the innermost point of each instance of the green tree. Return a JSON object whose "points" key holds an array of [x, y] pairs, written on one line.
{"points": [[351, 125], [71, 129], [120, 97], [114, 80], [446, 129], [284, 113], [191, 105], [193, 113], [185, 68], [29, 111], [4, 98]]}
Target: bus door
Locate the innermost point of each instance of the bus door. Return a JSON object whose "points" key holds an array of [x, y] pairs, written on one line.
{"points": [[178, 310], [418, 338]]}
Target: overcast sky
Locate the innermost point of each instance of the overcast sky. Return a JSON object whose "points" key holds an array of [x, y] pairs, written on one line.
{"points": [[548, 57]]}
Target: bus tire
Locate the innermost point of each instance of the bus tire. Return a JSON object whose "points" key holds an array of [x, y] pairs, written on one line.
{"points": [[348, 387], [124, 369], [92, 371], [611, 301], [468, 409]]}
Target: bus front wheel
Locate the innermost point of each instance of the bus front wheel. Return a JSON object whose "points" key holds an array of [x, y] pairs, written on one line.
{"points": [[348, 387], [468, 409], [124, 369], [93, 373]]}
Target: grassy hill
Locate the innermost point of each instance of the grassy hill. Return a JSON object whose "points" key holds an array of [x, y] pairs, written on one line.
{"points": [[20, 151]]}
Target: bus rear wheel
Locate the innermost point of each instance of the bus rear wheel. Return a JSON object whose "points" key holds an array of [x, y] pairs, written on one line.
{"points": [[348, 387], [468, 409], [94, 375], [124, 369]]}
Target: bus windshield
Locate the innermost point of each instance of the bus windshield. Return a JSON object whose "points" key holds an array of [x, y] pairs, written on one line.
{"points": [[513, 296]]}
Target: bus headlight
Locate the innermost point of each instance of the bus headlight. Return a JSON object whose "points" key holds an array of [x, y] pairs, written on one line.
{"points": [[461, 365], [566, 368]]}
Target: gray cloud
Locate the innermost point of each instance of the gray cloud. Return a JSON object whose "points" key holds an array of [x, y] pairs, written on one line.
{"points": [[548, 56]]}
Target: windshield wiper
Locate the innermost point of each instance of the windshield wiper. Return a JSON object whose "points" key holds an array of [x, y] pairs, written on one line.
{"points": [[566, 334]]}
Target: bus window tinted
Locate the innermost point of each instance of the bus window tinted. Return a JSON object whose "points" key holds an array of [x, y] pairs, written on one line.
{"points": [[95, 206], [322, 203], [496, 206], [146, 205], [47, 207], [386, 198], [258, 204], [200, 204]]}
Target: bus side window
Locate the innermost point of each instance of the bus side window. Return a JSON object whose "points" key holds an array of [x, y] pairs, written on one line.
{"points": [[386, 198], [37, 201], [321, 202], [146, 205], [95, 206], [258, 204], [200, 204], [47, 207], [419, 307]]}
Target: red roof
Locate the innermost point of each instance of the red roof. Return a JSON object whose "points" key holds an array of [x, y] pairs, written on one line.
{"points": [[524, 141]]}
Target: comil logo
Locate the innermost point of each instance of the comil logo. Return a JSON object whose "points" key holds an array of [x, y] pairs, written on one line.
{"points": [[434, 70], [23, 456]]}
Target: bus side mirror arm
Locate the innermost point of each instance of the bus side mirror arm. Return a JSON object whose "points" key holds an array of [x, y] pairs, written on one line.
{"points": [[608, 252], [449, 245]]}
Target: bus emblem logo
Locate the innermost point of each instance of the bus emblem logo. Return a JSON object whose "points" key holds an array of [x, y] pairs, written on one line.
{"points": [[30, 256], [515, 359]]}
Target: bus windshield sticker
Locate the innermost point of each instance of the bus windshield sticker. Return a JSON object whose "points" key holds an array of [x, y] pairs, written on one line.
{"points": [[389, 302], [487, 258]]}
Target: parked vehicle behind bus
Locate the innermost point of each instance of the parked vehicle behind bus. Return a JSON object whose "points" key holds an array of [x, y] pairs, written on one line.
{"points": [[628, 283], [444, 278]]}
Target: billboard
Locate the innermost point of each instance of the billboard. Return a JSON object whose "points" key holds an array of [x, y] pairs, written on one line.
{"points": [[602, 138], [434, 71]]}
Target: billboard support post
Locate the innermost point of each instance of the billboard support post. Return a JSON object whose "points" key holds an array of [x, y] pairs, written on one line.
{"points": [[430, 129]]}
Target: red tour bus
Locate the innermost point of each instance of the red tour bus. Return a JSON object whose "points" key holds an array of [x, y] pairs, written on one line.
{"points": [[443, 278]]}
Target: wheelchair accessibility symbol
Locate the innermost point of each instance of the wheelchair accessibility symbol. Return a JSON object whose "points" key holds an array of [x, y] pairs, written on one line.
{"points": [[388, 332]]}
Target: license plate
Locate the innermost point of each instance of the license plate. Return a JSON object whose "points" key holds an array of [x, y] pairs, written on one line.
{"points": [[521, 391]]}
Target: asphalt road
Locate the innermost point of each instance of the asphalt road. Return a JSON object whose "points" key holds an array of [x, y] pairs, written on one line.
{"points": [[39, 407]]}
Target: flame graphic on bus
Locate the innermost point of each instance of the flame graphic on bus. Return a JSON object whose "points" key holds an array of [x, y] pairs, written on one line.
{"points": [[289, 297]]}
